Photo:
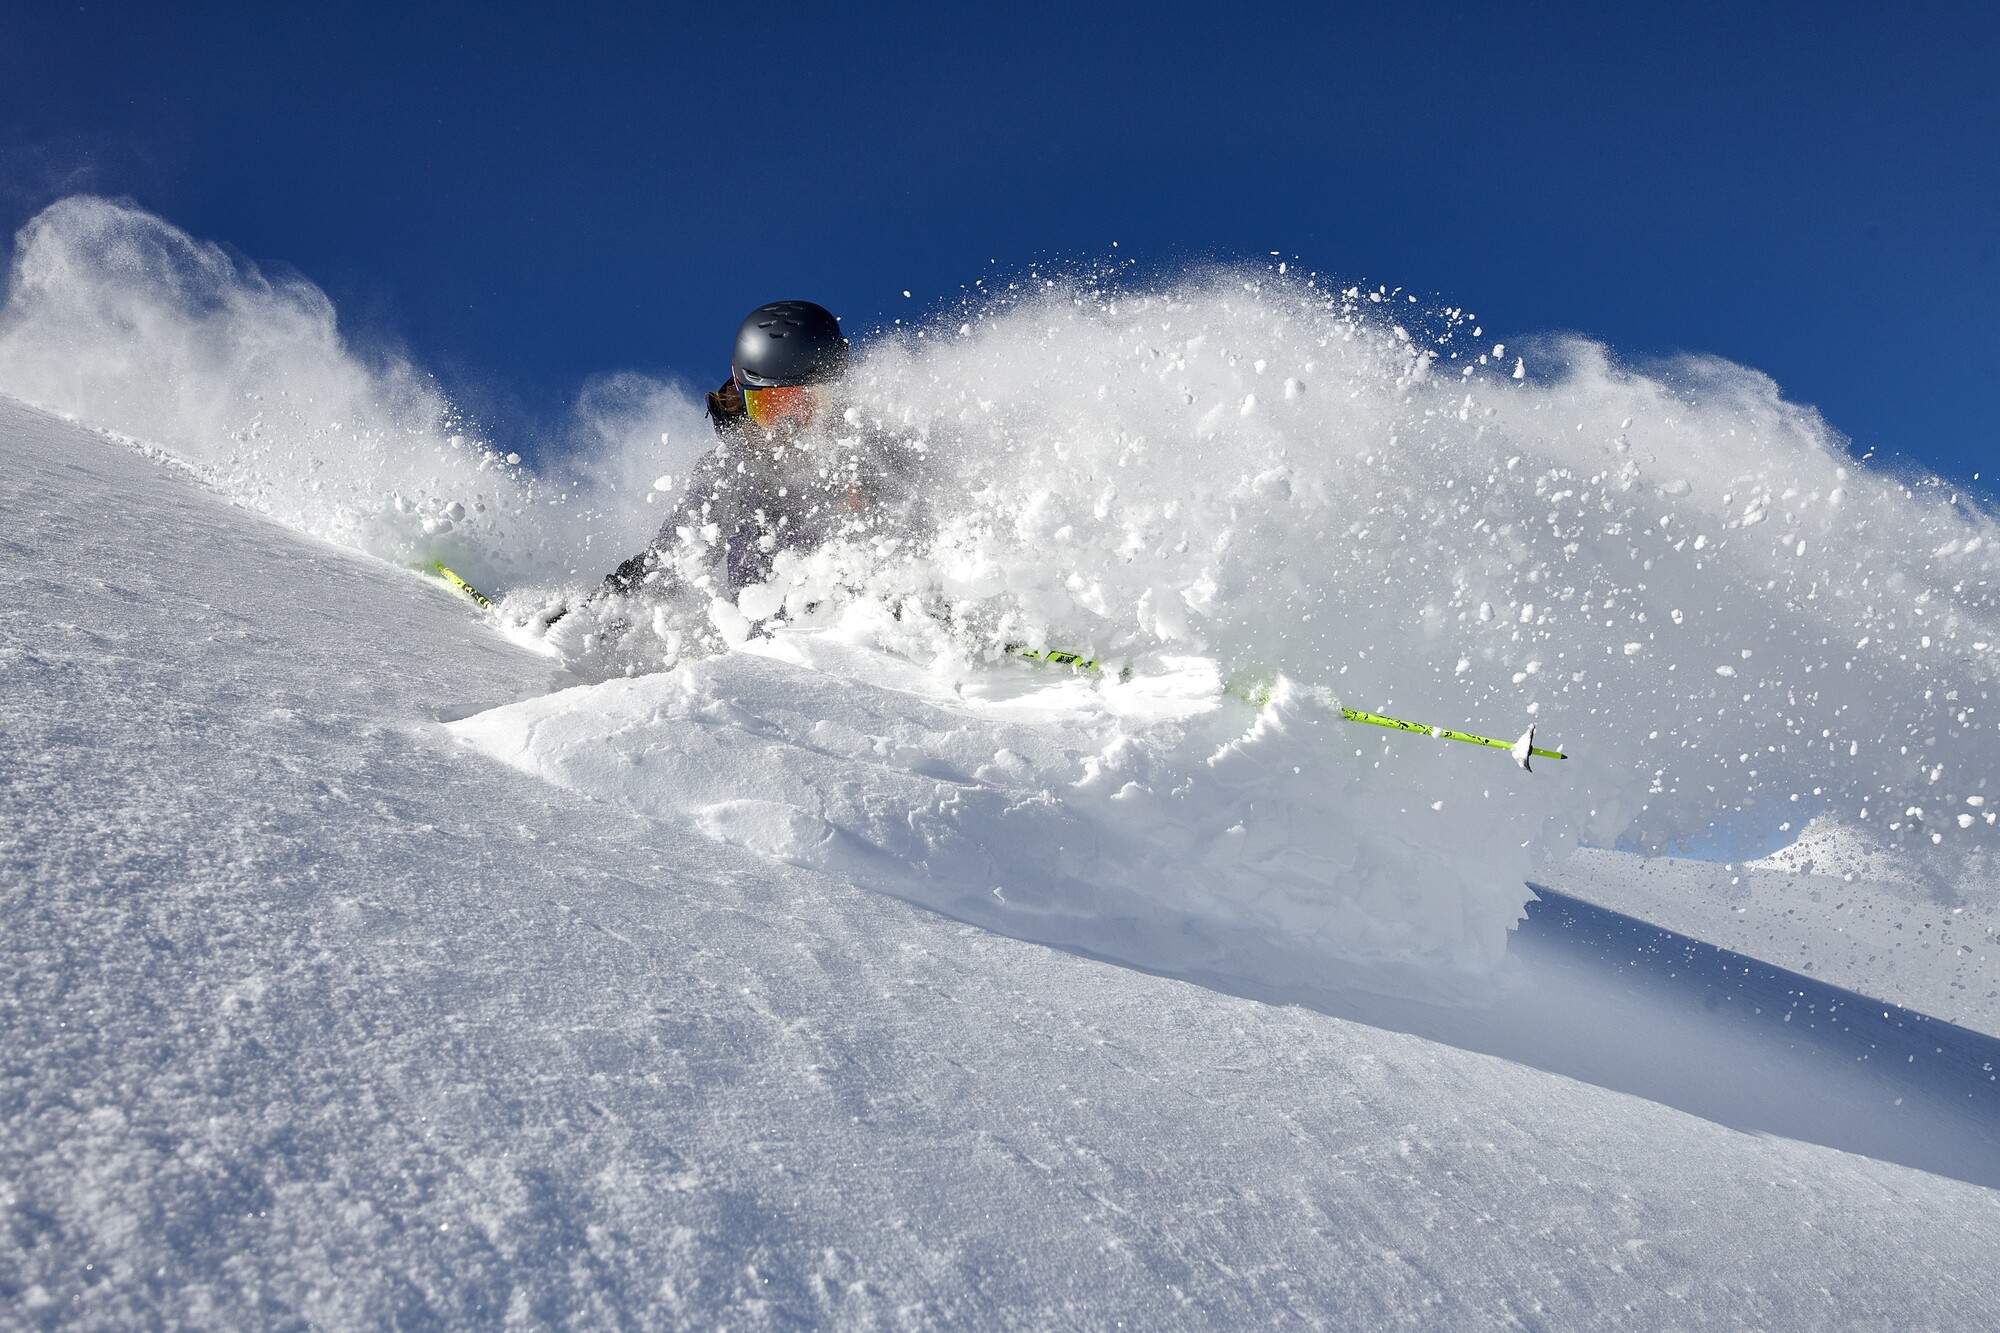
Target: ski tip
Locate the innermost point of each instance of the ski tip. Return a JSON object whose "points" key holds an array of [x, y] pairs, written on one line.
{"points": [[480, 599], [1524, 749]]}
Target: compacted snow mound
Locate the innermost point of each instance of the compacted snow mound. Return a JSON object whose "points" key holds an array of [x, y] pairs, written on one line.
{"points": [[1160, 821]]}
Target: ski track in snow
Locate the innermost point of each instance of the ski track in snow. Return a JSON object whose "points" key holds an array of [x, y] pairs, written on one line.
{"points": [[309, 1014]]}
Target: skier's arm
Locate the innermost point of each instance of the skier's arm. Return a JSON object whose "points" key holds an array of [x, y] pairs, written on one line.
{"points": [[704, 497], [725, 411]]}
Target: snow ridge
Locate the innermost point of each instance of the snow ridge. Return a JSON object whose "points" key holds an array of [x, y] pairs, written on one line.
{"points": [[1158, 821]]}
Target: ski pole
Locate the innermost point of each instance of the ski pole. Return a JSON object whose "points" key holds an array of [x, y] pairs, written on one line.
{"points": [[1521, 749]]}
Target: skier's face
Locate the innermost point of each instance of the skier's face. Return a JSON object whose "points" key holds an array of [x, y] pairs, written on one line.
{"points": [[784, 411]]}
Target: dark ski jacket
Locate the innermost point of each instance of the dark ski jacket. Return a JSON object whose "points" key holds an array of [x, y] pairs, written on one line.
{"points": [[751, 497]]}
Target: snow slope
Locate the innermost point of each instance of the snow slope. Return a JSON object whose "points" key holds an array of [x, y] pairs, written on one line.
{"points": [[310, 1013]]}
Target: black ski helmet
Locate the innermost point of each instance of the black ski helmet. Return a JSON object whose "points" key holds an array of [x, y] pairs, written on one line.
{"points": [[789, 342]]}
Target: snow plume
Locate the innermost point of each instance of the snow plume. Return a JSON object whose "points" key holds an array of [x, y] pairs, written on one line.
{"points": [[1682, 578], [1317, 495], [118, 319], [1309, 499]]}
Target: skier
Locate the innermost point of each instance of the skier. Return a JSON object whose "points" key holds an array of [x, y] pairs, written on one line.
{"points": [[776, 479]]}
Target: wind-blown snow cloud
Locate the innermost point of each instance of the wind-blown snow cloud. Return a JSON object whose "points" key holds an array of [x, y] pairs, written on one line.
{"points": [[121, 320], [1684, 579]]}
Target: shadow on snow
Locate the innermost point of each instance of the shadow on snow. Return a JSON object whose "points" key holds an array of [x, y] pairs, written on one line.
{"points": [[1614, 1001]]}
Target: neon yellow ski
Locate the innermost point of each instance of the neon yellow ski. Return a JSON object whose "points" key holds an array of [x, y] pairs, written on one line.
{"points": [[460, 584], [1057, 657]]}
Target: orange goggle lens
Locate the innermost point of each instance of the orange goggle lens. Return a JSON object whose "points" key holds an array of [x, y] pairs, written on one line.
{"points": [[791, 402]]}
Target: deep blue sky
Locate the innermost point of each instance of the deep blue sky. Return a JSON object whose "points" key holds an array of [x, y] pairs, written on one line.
{"points": [[524, 195]]}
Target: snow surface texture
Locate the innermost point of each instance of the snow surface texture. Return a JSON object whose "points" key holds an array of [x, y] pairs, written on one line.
{"points": [[310, 1015]]}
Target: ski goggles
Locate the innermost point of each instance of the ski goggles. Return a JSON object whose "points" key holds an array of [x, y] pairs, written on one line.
{"points": [[798, 403]]}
